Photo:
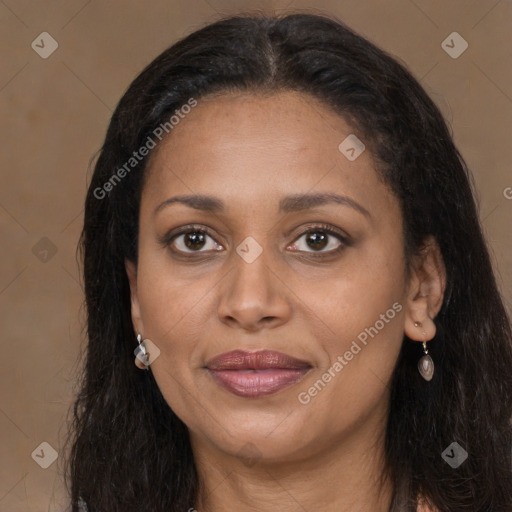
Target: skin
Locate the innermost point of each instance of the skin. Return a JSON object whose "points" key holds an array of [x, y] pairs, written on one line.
{"points": [[273, 452]]}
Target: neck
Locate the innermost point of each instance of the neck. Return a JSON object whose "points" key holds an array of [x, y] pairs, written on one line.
{"points": [[348, 477]]}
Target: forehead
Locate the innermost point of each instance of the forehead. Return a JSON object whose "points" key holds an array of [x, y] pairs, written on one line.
{"points": [[261, 146], [287, 122]]}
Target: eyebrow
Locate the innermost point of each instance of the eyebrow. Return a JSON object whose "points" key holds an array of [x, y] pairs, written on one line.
{"points": [[288, 204]]}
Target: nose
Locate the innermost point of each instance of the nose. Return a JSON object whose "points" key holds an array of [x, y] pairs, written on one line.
{"points": [[254, 296]]}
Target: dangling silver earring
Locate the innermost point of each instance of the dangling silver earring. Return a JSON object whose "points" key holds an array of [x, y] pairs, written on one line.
{"points": [[141, 354], [425, 364]]}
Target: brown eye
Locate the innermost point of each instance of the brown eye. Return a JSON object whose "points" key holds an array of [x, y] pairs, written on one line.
{"points": [[317, 240], [193, 240], [321, 240]]}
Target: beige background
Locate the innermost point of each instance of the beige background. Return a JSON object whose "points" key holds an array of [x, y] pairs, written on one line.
{"points": [[54, 113]]}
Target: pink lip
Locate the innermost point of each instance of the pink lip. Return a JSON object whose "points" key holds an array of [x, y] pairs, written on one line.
{"points": [[254, 374]]}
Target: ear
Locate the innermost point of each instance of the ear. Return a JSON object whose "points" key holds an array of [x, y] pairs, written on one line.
{"points": [[131, 271], [425, 292]]}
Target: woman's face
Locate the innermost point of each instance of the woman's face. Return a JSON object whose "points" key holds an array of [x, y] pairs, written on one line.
{"points": [[243, 274]]}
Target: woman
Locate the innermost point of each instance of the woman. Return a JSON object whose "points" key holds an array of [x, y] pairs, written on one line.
{"points": [[290, 301]]}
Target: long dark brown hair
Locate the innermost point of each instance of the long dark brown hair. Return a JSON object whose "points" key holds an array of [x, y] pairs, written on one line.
{"points": [[129, 451]]}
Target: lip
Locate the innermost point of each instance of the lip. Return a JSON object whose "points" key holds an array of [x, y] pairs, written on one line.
{"points": [[255, 374], [261, 360]]}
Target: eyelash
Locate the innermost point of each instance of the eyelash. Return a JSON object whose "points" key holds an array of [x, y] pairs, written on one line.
{"points": [[169, 238]]}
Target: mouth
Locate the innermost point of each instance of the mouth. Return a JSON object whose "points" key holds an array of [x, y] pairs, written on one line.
{"points": [[256, 374]]}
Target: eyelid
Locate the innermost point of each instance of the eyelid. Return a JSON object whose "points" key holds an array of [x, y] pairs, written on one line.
{"points": [[169, 237], [320, 226]]}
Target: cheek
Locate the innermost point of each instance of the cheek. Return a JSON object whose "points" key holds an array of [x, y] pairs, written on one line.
{"points": [[362, 308], [358, 292], [363, 336], [168, 308], [178, 314], [172, 312], [360, 349], [166, 291]]}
